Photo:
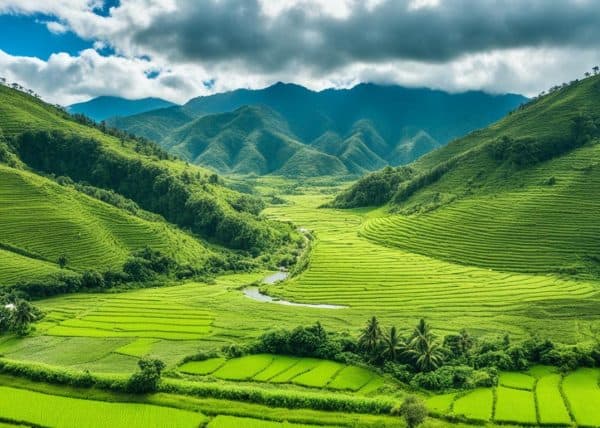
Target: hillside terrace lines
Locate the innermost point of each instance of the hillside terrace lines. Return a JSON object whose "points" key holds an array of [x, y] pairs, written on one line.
{"points": [[131, 317], [348, 269]]}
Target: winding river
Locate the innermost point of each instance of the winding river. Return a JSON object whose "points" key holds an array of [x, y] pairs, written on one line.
{"points": [[255, 294]]}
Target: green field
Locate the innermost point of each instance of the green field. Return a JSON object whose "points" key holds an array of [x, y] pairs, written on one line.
{"points": [[401, 286], [307, 372], [583, 395], [65, 412]]}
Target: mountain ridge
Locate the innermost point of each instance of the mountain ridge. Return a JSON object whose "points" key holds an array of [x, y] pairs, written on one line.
{"points": [[365, 127]]}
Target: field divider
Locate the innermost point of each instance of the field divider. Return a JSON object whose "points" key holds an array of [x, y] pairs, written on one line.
{"points": [[565, 399]]}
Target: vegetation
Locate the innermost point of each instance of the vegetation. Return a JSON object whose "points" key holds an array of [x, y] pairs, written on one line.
{"points": [[413, 411]]}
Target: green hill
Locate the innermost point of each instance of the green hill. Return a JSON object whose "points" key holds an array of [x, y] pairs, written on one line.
{"points": [[113, 196], [341, 132], [520, 195], [101, 108]]}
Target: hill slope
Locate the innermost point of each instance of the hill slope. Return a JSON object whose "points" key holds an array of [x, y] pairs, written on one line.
{"points": [[520, 195], [102, 108], [42, 220], [359, 129]]}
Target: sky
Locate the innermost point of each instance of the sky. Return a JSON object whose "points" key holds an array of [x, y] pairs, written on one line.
{"points": [[73, 50]]}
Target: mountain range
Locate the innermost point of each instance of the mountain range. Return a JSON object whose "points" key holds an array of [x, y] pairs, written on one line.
{"points": [[102, 108], [289, 130]]}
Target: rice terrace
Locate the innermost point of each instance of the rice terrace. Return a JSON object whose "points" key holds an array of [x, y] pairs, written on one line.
{"points": [[406, 234]]}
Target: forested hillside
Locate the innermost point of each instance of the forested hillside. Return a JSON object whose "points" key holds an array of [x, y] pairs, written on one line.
{"points": [[78, 197], [518, 195], [337, 132]]}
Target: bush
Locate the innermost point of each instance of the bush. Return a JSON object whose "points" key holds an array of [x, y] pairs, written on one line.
{"points": [[413, 411], [147, 378]]}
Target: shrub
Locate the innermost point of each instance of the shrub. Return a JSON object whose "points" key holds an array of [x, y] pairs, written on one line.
{"points": [[147, 378], [413, 411]]}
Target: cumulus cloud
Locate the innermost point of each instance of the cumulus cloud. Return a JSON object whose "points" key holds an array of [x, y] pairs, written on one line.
{"points": [[495, 45]]}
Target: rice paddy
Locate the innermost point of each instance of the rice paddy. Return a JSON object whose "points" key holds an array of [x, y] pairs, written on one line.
{"points": [[308, 372], [349, 269], [66, 412]]}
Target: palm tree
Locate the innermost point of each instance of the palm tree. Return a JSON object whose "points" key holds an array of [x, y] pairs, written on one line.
{"points": [[21, 315], [393, 345], [421, 336], [369, 338], [429, 357]]}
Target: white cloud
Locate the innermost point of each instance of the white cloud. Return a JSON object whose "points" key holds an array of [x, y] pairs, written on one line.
{"points": [[182, 67]]}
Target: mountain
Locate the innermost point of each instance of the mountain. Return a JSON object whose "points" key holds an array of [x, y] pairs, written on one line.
{"points": [[93, 197], [520, 195], [344, 131], [102, 108]]}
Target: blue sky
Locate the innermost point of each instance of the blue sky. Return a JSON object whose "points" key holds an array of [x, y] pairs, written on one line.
{"points": [[72, 50], [29, 36]]}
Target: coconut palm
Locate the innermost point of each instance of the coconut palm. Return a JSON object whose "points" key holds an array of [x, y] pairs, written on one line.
{"points": [[370, 336], [421, 336], [21, 315], [393, 345], [429, 356]]}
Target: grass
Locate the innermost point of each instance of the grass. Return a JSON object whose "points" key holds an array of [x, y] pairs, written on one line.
{"points": [[583, 395], [516, 380], [475, 405], [515, 405], [236, 422], [551, 407], [56, 411], [279, 364]]}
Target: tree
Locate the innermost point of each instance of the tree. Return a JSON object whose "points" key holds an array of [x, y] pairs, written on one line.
{"points": [[22, 314], [413, 410], [370, 336], [587, 74], [429, 357], [426, 352], [147, 378], [62, 261], [393, 345], [596, 69]]}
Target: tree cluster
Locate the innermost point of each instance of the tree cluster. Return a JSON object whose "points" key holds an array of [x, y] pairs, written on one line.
{"points": [[17, 314]]}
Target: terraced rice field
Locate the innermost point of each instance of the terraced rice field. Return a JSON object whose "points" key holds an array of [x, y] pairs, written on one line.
{"points": [[348, 269], [119, 316], [515, 405], [44, 221], [66, 412], [527, 403], [583, 395], [521, 231], [309, 372], [476, 405]]}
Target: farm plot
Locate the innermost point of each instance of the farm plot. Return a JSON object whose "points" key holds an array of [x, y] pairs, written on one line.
{"points": [[310, 372], [133, 316], [583, 395], [243, 368], [476, 405], [66, 412], [516, 380], [551, 406], [515, 405], [441, 404]]}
